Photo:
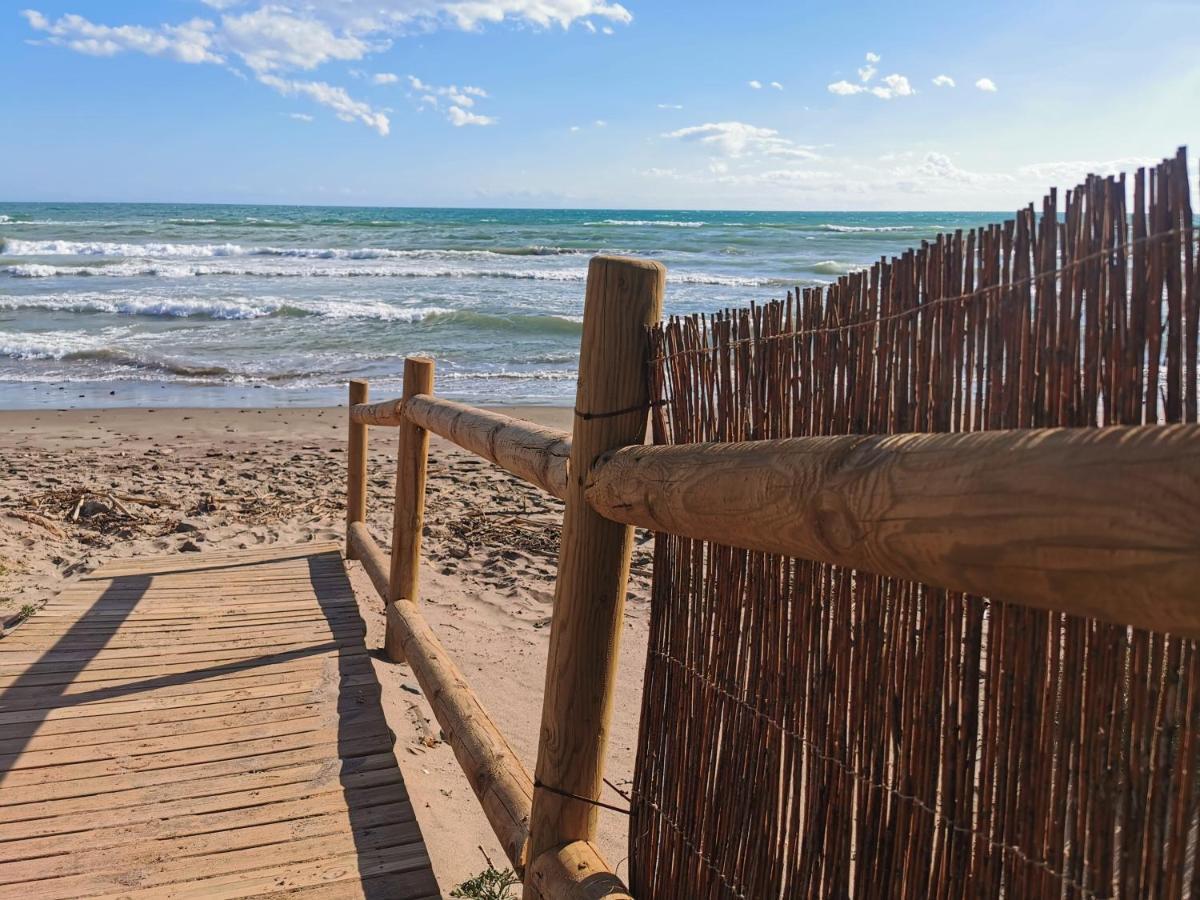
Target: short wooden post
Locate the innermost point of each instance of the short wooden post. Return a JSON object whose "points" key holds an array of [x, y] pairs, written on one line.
{"points": [[356, 464], [623, 297], [412, 454]]}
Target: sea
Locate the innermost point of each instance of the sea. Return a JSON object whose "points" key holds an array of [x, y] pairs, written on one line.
{"points": [[106, 305]]}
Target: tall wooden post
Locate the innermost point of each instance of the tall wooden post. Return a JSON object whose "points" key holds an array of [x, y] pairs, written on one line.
{"points": [[624, 296], [412, 455], [356, 464]]}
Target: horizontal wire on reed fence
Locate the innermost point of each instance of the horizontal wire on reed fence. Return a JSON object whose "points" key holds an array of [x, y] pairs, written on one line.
{"points": [[810, 730], [981, 293]]}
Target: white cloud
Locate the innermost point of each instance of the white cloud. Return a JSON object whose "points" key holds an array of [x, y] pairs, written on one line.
{"points": [[273, 38], [600, 123], [757, 85], [574, 128], [300, 117], [607, 29], [459, 117], [469, 14], [1074, 171], [893, 86], [464, 96], [867, 72], [458, 101], [898, 85], [191, 42], [385, 78], [986, 84], [777, 85], [845, 88], [737, 139], [939, 166], [670, 106], [344, 106], [943, 81]]}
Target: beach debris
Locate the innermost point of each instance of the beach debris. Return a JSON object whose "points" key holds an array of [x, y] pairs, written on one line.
{"points": [[40, 521]]}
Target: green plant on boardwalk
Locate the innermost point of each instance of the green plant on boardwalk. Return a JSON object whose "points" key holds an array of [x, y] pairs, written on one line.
{"points": [[489, 884]]}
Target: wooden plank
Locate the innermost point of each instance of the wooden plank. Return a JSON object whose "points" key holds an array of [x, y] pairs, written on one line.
{"points": [[215, 740], [202, 728], [294, 656], [84, 716], [410, 859], [316, 552], [80, 730], [220, 786], [82, 816], [335, 823], [122, 658], [155, 866], [371, 737], [36, 739], [88, 696], [116, 831]]}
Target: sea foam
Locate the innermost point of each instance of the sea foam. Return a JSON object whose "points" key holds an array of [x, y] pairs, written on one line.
{"points": [[142, 304], [160, 250]]}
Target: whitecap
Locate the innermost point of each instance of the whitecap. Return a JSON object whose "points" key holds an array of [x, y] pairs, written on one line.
{"points": [[665, 223], [834, 267]]}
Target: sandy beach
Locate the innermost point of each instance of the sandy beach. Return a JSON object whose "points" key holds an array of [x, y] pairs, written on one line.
{"points": [[81, 487]]}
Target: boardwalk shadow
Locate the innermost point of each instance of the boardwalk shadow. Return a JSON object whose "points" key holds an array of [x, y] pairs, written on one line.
{"points": [[391, 858], [42, 687], [383, 821]]}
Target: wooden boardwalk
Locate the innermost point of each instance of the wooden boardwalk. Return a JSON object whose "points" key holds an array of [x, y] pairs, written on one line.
{"points": [[202, 725]]}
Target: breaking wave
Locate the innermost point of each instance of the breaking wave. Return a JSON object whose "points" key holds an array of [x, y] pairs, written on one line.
{"points": [[159, 250]]}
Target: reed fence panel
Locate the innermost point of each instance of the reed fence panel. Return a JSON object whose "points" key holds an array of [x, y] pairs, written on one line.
{"points": [[813, 730]]}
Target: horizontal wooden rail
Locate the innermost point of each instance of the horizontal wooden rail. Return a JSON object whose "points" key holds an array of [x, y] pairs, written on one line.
{"points": [[368, 553], [500, 781], [532, 452], [1093, 522], [386, 412]]}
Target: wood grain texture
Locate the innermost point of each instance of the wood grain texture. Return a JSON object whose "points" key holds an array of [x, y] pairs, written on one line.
{"points": [[532, 452], [500, 781], [412, 457], [373, 560], [217, 757], [356, 464], [1093, 522], [574, 871], [624, 297], [386, 413]]}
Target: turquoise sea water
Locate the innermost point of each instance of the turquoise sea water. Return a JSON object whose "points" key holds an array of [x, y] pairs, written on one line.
{"points": [[188, 305]]}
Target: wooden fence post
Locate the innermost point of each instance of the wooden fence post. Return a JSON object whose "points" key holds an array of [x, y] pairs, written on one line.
{"points": [[412, 454], [356, 464], [623, 297]]}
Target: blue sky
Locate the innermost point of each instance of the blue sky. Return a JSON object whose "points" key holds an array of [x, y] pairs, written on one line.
{"points": [[646, 104]]}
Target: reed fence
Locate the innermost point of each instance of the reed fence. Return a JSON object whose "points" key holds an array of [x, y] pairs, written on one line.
{"points": [[926, 593]]}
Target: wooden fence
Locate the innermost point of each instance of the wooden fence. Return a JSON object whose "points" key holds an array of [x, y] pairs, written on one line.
{"points": [[1098, 525]]}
